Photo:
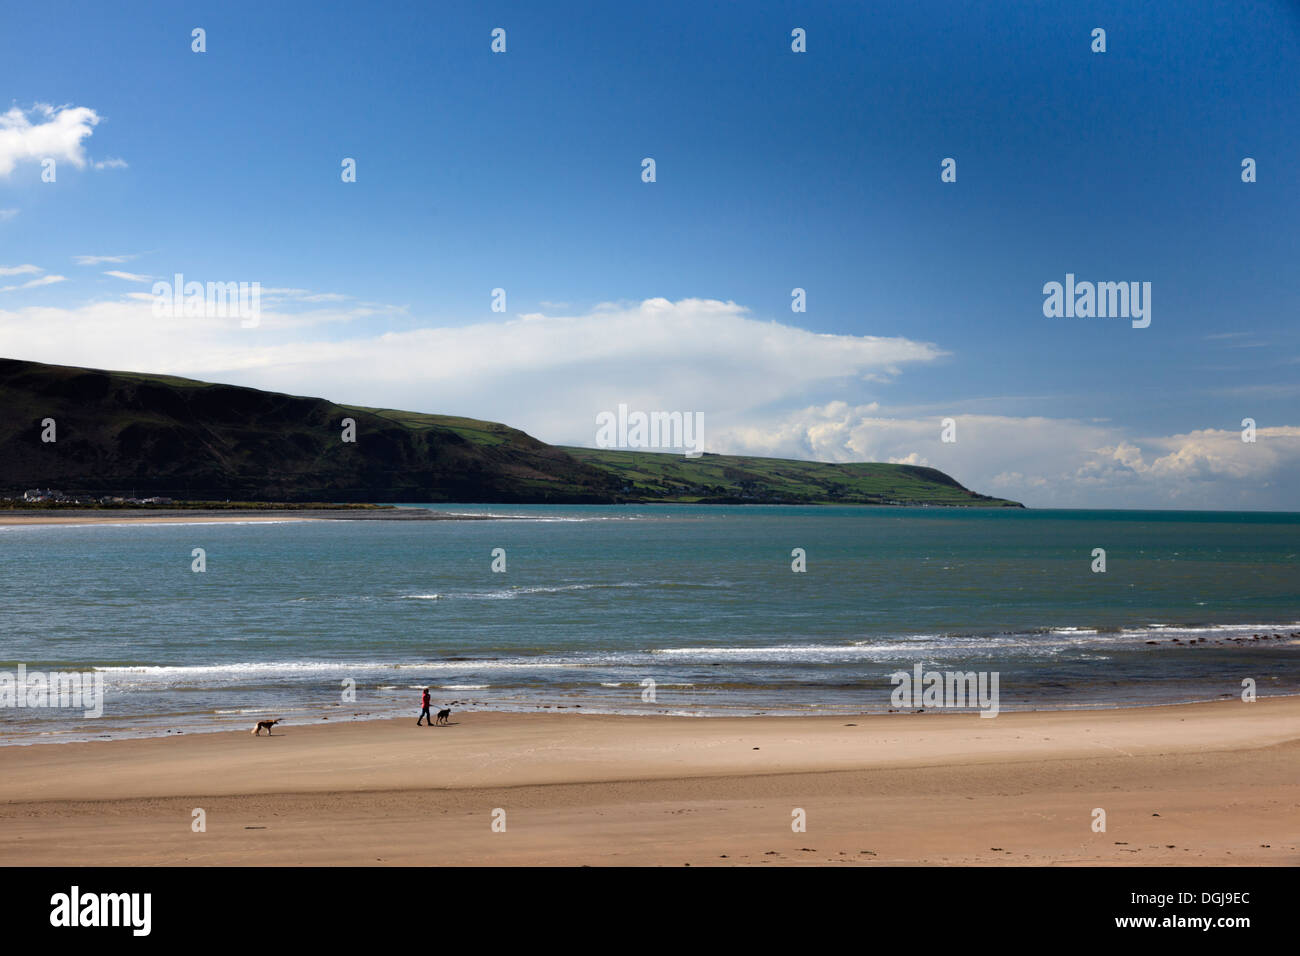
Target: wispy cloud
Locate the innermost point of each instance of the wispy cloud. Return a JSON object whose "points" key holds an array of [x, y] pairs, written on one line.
{"points": [[7, 214], [128, 276], [34, 283], [276, 294], [98, 260], [23, 270], [1262, 389]]}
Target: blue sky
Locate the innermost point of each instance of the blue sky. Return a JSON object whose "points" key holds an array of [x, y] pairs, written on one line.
{"points": [[775, 170]]}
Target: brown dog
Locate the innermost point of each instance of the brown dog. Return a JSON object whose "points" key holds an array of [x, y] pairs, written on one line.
{"points": [[264, 725]]}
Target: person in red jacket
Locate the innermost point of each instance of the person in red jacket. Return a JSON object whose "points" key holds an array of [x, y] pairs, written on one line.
{"points": [[424, 709]]}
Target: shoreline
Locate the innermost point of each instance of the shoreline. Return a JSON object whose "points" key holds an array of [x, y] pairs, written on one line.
{"points": [[948, 789], [92, 516], [212, 727]]}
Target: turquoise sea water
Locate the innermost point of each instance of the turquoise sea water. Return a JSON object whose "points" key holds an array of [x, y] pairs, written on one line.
{"points": [[596, 600]]}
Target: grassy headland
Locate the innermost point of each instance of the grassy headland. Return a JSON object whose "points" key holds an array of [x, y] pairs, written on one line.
{"points": [[144, 436]]}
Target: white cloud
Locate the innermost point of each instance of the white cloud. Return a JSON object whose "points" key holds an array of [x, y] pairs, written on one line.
{"points": [[57, 133], [1043, 462], [762, 386], [111, 163], [1200, 456], [550, 374], [20, 270], [912, 459], [128, 276], [7, 214], [274, 295], [98, 260], [34, 283]]}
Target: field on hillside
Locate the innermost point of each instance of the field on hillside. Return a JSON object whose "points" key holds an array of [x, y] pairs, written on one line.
{"points": [[656, 475]]}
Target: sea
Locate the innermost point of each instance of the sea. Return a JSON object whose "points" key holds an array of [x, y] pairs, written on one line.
{"points": [[686, 610]]}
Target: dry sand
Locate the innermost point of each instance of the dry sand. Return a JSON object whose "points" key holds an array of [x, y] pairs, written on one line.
{"points": [[1213, 783]]}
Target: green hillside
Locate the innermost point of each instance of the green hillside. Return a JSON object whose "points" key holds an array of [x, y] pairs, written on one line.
{"points": [[652, 476], [126, 433]]}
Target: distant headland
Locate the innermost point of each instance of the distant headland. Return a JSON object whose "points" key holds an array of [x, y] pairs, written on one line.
{"points": [[122, 440]]}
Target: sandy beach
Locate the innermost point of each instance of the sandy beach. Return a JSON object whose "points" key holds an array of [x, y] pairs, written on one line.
{"points": [[1212, 783], [222, 516], [21, 520]]}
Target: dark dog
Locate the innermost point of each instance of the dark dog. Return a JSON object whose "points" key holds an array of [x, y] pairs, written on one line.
{"points": [[264, 724], [443, 715]]}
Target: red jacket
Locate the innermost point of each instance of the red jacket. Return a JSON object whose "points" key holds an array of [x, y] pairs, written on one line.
{"points": [[424, 699]]}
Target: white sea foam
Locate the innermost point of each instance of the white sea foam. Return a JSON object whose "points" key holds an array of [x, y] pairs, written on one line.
{"points": [[544, 519], [516, 591], [306, 669]]}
